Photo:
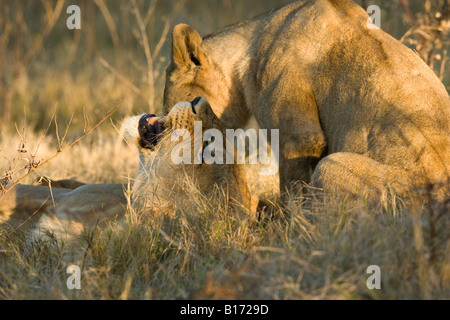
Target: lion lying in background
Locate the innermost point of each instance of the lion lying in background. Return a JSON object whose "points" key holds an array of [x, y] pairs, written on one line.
{"points": [[159, 184]]}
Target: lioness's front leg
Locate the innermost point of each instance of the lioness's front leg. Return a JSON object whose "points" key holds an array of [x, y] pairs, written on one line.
{"points": [[294, 173], [302, 141], [298, 157]]}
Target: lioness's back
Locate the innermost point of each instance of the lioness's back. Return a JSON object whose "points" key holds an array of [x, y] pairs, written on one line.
{"points": [[374, 95]]}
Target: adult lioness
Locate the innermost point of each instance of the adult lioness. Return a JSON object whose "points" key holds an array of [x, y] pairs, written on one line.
{"points": [[159, 185], [357, 110]]}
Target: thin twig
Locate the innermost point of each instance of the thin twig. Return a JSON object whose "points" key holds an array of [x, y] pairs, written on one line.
{"points": [[443, 65], [64, 149], [109, 21], [120, 76], [408, 11], [148, 55], [45, 133], [165, 32], [34, 213], [67, 129]]}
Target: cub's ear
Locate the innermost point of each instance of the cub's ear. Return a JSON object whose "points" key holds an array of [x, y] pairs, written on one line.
{"points": [[187, 50]]}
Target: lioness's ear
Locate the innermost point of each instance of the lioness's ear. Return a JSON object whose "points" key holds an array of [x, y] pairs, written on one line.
{"points": [[187, 51]]}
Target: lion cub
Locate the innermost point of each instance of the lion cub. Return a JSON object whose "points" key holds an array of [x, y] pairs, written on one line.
{"points": [[172, 161]]}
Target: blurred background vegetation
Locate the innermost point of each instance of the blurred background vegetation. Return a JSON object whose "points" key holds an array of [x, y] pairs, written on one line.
{"points": [[122, 49]]}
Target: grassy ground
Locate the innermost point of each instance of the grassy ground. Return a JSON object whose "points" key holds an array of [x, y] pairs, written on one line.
{"points": [[205, 251], [298, 252]]}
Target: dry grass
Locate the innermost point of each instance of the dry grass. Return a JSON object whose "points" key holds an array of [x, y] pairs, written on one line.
{"points": [[206, 251], [303, 251]]}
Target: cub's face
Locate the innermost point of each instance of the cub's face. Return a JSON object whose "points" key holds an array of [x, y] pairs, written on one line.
{"points": [[181, 135], [185, 123]]}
